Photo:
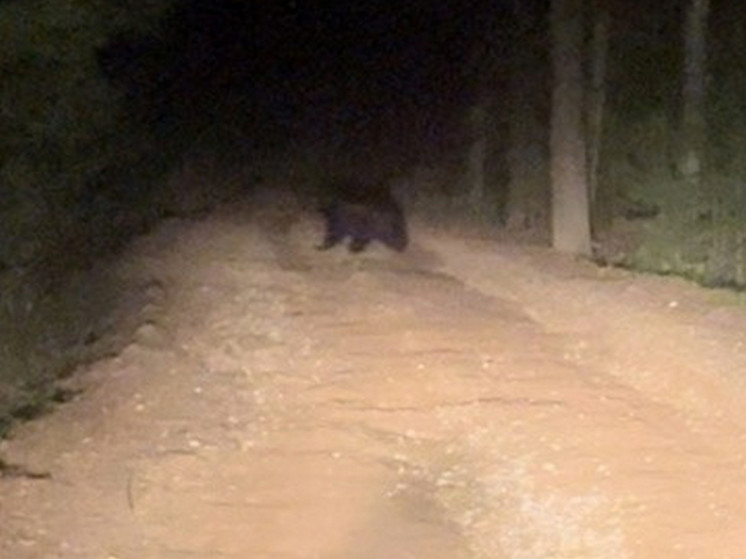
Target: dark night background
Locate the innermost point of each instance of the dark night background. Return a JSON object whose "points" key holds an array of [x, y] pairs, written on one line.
{"points": [[351, 74]]}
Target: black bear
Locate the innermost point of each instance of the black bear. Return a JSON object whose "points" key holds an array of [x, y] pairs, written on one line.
{"points": [[364, 214]]}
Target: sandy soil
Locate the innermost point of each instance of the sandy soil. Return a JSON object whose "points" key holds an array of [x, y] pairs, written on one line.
{"points": [[467, 399]]}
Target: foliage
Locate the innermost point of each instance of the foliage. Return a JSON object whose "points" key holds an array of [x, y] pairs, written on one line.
{"points": [[697, 232], [699, 228], [69, 156], [60, 120]]}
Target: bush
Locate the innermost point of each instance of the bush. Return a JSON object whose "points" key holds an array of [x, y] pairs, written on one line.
{"points": [[71, 165]]}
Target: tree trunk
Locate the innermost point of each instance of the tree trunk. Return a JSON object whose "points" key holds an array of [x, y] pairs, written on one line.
{"points": [[596, 95], [693, 95], [528, 176], [570, 208], [570, 215], [477, 157]]}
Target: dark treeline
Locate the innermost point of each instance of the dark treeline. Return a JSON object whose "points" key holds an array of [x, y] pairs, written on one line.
{"points": [[78, 162]]}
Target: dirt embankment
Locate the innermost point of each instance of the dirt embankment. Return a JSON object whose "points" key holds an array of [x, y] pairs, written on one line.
{"points": [[468, 399]]}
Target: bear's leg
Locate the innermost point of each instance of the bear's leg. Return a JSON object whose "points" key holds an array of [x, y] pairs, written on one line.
{"points": [[331, 239], [358, 244]]}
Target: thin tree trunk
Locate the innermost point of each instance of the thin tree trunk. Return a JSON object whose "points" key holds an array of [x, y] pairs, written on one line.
{"points": [[693, 96], [528, 176], [596, 99], [570, 208], [477, 156]]}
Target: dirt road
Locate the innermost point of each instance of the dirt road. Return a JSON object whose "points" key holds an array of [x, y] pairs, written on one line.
{"points": [[467, 399]]}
